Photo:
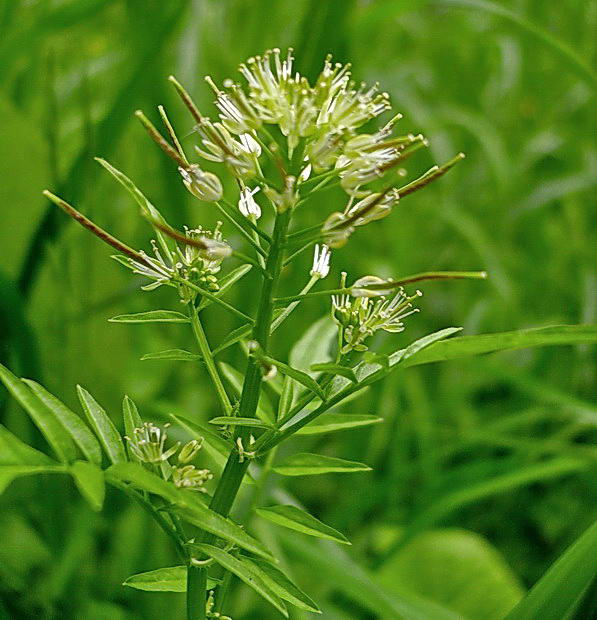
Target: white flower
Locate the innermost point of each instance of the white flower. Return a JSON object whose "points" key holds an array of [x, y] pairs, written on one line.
{"points": [[247, 205], [250, 144], [147, 444], [321, 262]]}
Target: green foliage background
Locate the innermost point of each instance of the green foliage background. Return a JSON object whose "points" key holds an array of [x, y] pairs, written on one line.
{"points": [[484, 469]]}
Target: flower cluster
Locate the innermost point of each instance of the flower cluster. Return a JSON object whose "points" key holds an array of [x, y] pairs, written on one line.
{"points": [[197, 262], [148, 445], [320, 123], [358, 316]]}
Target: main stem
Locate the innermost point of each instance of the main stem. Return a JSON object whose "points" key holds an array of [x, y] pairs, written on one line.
{"points": [[235, 469]]}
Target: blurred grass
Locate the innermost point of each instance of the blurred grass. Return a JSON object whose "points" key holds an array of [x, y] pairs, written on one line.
{"points": [[501, 446]]}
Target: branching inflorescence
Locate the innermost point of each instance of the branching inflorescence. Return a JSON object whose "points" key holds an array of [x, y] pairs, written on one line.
{"points": [[281, 140]]}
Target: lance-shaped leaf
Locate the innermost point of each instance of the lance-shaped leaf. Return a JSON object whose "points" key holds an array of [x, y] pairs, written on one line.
{"points": [[314, 344], [556, 594], [187, 505], [102, 425], [169, 579], [296, 519], [73, 424], [9, 472], [466, 346], [172, 354], [235, 421], [245, 572], [197, 513], [152, 316], [90, 481], [13, 451], [330, 422], [305, 464], [147, 209], [44, 418], [132, 420], [281, 584], [335, 369], [298, 375], [140, 477]]}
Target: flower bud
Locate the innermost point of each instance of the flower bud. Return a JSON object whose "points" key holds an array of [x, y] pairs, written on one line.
{"points": [[358, 288], [336, 231], [215, 250], [203, 185], [189, 450]]}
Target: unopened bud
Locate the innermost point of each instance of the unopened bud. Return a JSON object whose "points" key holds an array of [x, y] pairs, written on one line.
{"points": [[359, 288], [189, 450], [336, 231], [203, 185]]}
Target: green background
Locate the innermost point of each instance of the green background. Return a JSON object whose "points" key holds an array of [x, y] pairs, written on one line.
{"points": [[486, 466]]}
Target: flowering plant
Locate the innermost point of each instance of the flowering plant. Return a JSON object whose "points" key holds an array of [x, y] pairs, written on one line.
{"points": [[282, 140]]}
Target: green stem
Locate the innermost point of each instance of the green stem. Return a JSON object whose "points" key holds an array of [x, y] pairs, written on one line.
{"points": [[234, 471], [207, 355], [196, 586]]}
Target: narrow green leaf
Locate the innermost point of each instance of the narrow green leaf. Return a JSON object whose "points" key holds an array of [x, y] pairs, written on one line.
{"points": [[281, 584], [330, 422], [296, 519], [13, 451], [335, 369], [369, 372], [9, 472], [90, 481], [245, 573], [314, 344], [286, 397], [102, 425], [173, 354], [197, 513], [305, 464], [465, 346], [137, 475], [298, 375], [73, 424], [147, 209], [132, 420], [44, 418], [557, 592], [130, 416], [234, 421], [170, 579], [152, 316], [187, 505]]}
